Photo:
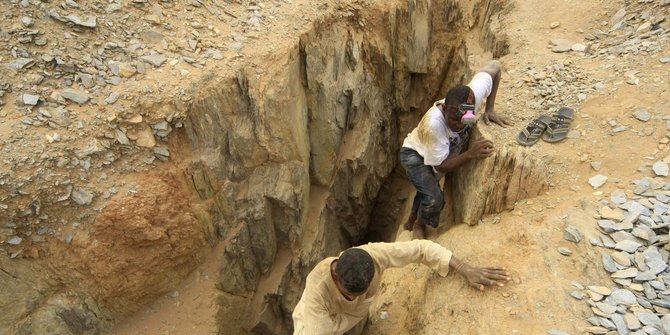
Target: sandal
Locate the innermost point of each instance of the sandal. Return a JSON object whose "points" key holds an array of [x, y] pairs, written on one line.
{"points": [[559, 126], [531, 134]]}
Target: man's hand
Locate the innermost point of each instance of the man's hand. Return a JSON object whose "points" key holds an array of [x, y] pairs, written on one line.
{"points": [[481, 149], [495, 118], [480, 277]]}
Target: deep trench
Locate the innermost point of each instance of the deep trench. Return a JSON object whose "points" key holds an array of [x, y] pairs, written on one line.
{"points": [[330, 125]]}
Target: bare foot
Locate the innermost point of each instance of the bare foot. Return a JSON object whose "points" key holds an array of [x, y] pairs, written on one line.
{"points": [[409, 225], [419, 231]]}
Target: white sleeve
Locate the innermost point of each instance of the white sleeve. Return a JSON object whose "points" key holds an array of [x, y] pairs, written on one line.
{"points": [[481, 85]]}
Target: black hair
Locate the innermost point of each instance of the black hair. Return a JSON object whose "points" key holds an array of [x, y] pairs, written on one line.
{"points": [[457, 95], [355, 270]]}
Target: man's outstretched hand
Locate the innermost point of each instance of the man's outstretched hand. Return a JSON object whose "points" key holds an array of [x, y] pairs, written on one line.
{"points": [[489, 117], [480, 277]]}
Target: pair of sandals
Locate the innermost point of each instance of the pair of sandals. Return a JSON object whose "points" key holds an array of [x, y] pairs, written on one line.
{"points": [[552, 129]]}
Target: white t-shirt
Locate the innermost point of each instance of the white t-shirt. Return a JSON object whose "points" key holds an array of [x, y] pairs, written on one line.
{"points": [[431, 138]]}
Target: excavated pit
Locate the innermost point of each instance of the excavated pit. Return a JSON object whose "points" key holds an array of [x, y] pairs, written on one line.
{"points": [[301, 163], [295, 164]]}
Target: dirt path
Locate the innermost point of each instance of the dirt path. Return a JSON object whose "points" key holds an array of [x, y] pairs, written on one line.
{"points": [[526, 239]]}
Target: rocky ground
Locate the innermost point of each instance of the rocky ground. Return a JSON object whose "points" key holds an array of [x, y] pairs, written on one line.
{"points": [[91, 90]]}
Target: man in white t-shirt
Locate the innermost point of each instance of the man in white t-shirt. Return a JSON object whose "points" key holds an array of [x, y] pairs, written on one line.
{"points": [[433, 148]]}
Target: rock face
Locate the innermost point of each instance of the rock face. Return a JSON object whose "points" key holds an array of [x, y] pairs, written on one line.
{"points": [[294, 165]]}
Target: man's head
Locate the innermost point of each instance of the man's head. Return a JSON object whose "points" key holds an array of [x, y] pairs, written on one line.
{"points": [[455, 97], [354, 271]]}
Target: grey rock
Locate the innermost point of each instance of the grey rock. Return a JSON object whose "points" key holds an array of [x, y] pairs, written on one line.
{"points": [[81, 196], [596, 166], [578, 47], [577, 285], [86, 80], [78, 96], [621, 297], [649, 291], [121, 137], [91, 22], [27, 21], [648, 330], [644, 276], [664, 60], [625, 273], [665, 323], [557, 332], [607, 226], [619, 129], [94, 147], [631, 321], [597, 181], [573, 234], [594, 320], [21, 63], [155, 59], [656, 267], [606, 308], [620, 323], [608, 263], [577, 295], [607, 241], [657, 285], [112, 98], [660, 168], [561, 45], [595, 242], [564, 251], [627, 246], [15, 240], [642, 115], [648, 318], [618, 197], [607, 323], [30, 99], [600, 87]]}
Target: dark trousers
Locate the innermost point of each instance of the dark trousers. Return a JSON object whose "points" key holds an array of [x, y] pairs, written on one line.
{"points": [[429, 199]]}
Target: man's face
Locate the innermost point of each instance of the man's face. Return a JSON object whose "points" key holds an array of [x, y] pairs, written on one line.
{"points": [[453, 120], [347, 295]]}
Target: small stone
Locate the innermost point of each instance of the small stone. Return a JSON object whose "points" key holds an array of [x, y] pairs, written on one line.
{"points": [[577, 295], [554, 25], [80, 97], [572, 234], [611, 214], [600, 87], [660, 168], [156, 59], [81, 196], [627, 246], [557, 332], [642, 115], [594, 296], [631, 321], [564, 251], [606, 308], [608, 263], [602, 290], [621, 297], [30, 99], [664, 60], [27, 21], [648, 318], [622, 258], [561, 45], [112, 98], [619, 129], [618, 197], [577, 285], [597, 181], [596, 166], [578, 47], [153, 19], [15, 240], [626, 273]]}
